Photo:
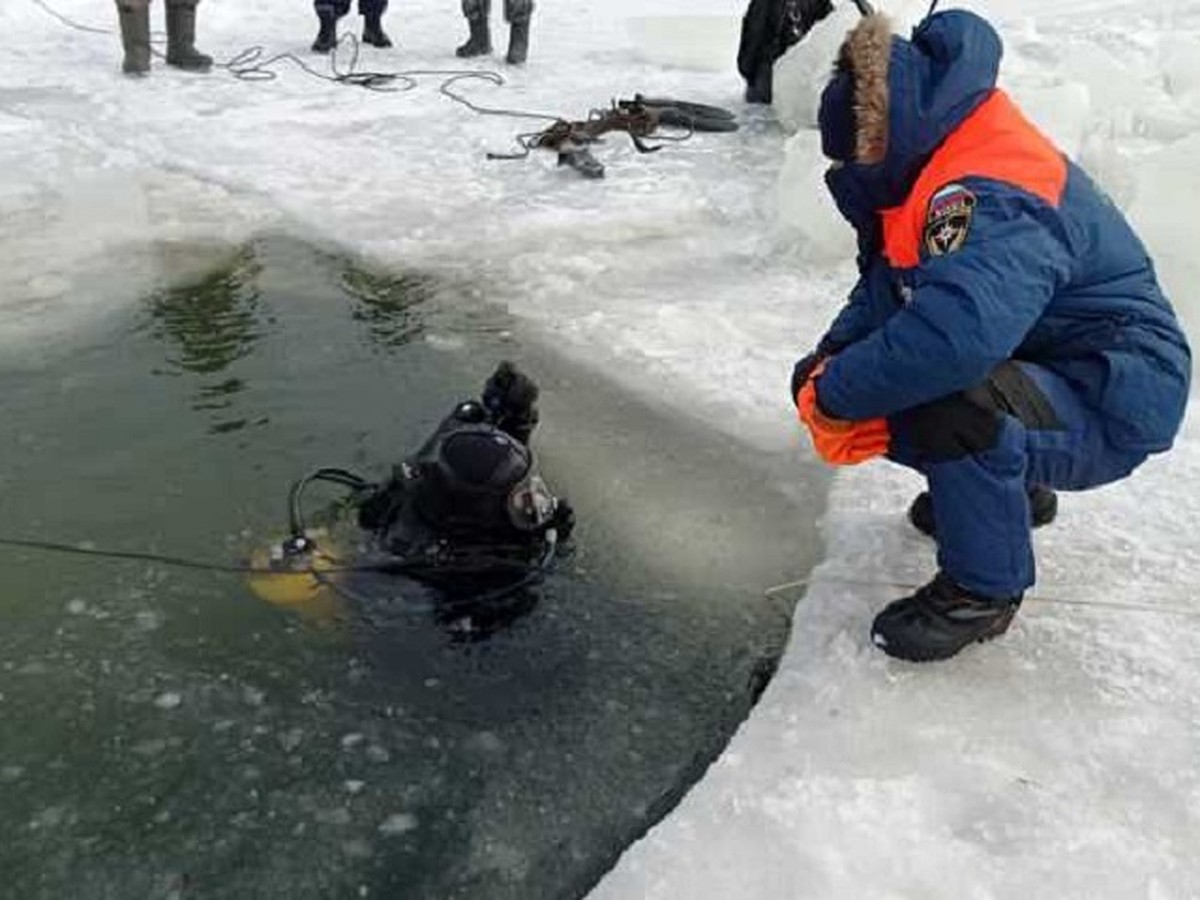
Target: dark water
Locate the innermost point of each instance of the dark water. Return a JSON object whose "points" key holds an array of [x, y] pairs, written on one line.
{"points": [[165, 734]]}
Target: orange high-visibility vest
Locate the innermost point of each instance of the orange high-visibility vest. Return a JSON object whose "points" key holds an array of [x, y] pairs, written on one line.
{"points": [[996, 142]]}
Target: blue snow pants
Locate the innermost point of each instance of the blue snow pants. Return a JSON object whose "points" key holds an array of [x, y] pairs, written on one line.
{"points": [[341, 7], [981, 451]]}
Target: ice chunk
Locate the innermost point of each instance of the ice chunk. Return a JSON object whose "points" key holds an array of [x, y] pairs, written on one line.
{"points": [[397, 823], [806, 213], [1168, 188], [1062, 111], [802, 73], [291, 739], [1181, 69], [336, 816]]}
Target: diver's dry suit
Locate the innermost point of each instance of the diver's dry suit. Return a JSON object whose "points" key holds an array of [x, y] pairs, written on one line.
{"points": [[474, 486]]}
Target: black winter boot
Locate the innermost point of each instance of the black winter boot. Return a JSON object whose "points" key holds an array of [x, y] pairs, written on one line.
{"points": [[135, 36], [327, 36], [939, 620], [480, 41], [374, 34], [518, 43], [181, 39], [1043, 507]]}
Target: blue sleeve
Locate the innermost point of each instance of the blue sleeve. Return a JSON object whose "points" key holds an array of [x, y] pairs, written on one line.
{"points": [[970, 309], [853, 322]]}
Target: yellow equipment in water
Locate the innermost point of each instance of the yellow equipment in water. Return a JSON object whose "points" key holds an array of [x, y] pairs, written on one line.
{"points": [[292, 580]]}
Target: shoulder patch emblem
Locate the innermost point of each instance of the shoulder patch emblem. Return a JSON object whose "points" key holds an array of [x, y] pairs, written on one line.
{"points": [[949, 220]]}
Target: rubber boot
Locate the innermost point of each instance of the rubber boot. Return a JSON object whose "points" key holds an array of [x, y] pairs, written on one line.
{"points": [[135, 36], [327, 36], [518, 43], [480, 41], [181, 39], [373, 32]]}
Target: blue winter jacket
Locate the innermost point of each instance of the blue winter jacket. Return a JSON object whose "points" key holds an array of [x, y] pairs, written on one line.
{"points": [[1065, 285]]}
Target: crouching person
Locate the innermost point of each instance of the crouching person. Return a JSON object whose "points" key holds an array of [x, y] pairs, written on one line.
{"points": [[1007, 338]]}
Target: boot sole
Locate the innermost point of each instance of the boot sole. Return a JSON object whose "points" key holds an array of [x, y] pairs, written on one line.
{"points": [[938, 657]]}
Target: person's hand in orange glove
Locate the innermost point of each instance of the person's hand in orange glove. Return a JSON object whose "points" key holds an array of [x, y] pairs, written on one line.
{"points": [[839, 442]]}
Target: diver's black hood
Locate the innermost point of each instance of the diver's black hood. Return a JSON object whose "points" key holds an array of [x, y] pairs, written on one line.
{"points": [[464, 480]]}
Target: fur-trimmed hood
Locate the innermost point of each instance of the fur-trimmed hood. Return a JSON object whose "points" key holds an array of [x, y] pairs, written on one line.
{"points": [[866, 55], [905, 97]]}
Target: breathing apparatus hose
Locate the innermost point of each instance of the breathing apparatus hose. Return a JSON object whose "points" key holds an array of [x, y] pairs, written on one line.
{"points": [[344, 477], [415, 568], [440, 559]]}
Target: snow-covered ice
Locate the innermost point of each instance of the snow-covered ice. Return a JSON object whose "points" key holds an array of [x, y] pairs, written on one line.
{"points": [[1056, 762]]}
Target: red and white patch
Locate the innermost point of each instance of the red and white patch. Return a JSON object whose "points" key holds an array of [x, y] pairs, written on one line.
{"points": [[949, 219]]}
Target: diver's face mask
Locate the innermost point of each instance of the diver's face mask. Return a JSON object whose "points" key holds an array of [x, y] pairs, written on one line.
{"points": [[531, 506]]}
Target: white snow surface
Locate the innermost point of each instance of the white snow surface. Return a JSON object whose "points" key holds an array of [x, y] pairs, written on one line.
{"points": [[1057, 762]]}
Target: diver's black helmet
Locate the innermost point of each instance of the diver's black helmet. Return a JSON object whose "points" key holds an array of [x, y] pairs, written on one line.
{"points": [[479, 480]]}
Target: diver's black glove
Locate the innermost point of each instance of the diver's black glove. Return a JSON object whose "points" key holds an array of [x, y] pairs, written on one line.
{"points": [[804, 369], [510, 397]]}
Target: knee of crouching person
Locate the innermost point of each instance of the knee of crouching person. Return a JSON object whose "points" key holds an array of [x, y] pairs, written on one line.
{"points": [[951, 428]]}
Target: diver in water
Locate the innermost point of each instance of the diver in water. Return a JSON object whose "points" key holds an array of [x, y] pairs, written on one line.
{"points": [[463, 525], [474, 485]]}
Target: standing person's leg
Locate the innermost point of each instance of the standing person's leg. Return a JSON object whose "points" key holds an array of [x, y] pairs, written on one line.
{"points": [[328, 13], [372, 12], [755, 60], [181, 37], [134, 16], [479, 43], [518, 14], [980, 451]]}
